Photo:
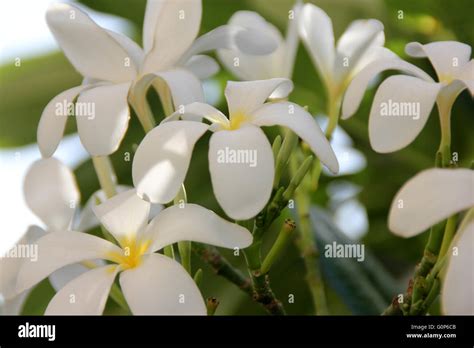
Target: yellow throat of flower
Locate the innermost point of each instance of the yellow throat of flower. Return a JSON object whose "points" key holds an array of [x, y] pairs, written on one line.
{"points": [[237, 119], [131, 253]]}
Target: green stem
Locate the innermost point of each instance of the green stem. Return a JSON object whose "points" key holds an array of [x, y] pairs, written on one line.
{"points": [[449, 232], [184, 248], [117, 295], [280, 244], [105, 174]]}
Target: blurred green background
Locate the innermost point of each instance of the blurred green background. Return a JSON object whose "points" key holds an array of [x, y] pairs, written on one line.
{"points": [[357, 288]]}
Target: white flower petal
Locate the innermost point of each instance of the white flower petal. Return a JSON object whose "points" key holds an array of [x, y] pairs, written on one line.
{"points": [[162, 159], [104, 121], [466, 75], [63, 276], [458, 287], [185, 87], [243, 39], [161, 286], [358, 40], [399, 111], [53, 120], [89, 291], [358, 86], [447, 57], [198, 111], [9, 266], [242, 169], [135, 52], [59, 249], [316, 32], [92, 51], [52, 179], [292, 40], [169, 29], [202, 66], [303, 124], [123, 215], [192, 222], [430, 197], [14, 306], [254, 67], [247, 96]]}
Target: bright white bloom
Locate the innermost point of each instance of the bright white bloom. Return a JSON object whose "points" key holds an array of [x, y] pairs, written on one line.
{"points": [[361, 44], [428, 198], [402, 103], [277, 64], [114, 67], [151, 283], [241, 160], [51, 193]]}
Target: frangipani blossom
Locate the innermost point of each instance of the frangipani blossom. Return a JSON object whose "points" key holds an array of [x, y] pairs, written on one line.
{"points": [[52, 179], [115, 68], [428, 198], [151, 283], [402, 104], [276, 64], [360, 45], [241, 160]]}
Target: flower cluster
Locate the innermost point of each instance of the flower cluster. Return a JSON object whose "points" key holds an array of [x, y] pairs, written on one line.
{"points": [[141, 224]]}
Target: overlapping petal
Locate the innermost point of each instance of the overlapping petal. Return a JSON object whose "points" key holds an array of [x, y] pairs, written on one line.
{"points": [[192, 222], [399, 111], [302, 123], [52, 179], [59, 249], [85, 295], [104, 120], [91, 49], [162, 159], [169, 289], [123, 215], [242, 169], [430, 197]]}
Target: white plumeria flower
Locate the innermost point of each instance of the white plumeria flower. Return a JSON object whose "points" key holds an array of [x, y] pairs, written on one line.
{"points": [[402, 104], [151, 283], [276, 64], [427, 199], [361, 44], [52, 179], [241, 160], [114, 66]]}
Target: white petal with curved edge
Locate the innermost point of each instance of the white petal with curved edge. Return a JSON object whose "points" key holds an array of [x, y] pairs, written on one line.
{"points": [[10, 262], [192, 222], [447, 57], [123, 215], [399, 112], [247, 96], [303, 124], [104, 119], [185, 87], [430, 197], [135, 52], [52, 179], [198, 111], [242, 169], [292, 40], [53, 120], [255, 67], [59, 249], [161, 286], [62, 276], [90, 48], [358, 86], [457, 295], [169, 29], [162, 159], [89, 291], [315, 28], [202, 66], [246, 40]]}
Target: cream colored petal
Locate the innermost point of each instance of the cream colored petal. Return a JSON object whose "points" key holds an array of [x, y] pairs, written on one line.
{"points": [[430, 197]]}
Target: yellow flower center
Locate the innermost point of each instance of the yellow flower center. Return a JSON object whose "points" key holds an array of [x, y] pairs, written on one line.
{"points": [[131, 253], [236, 120]]}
